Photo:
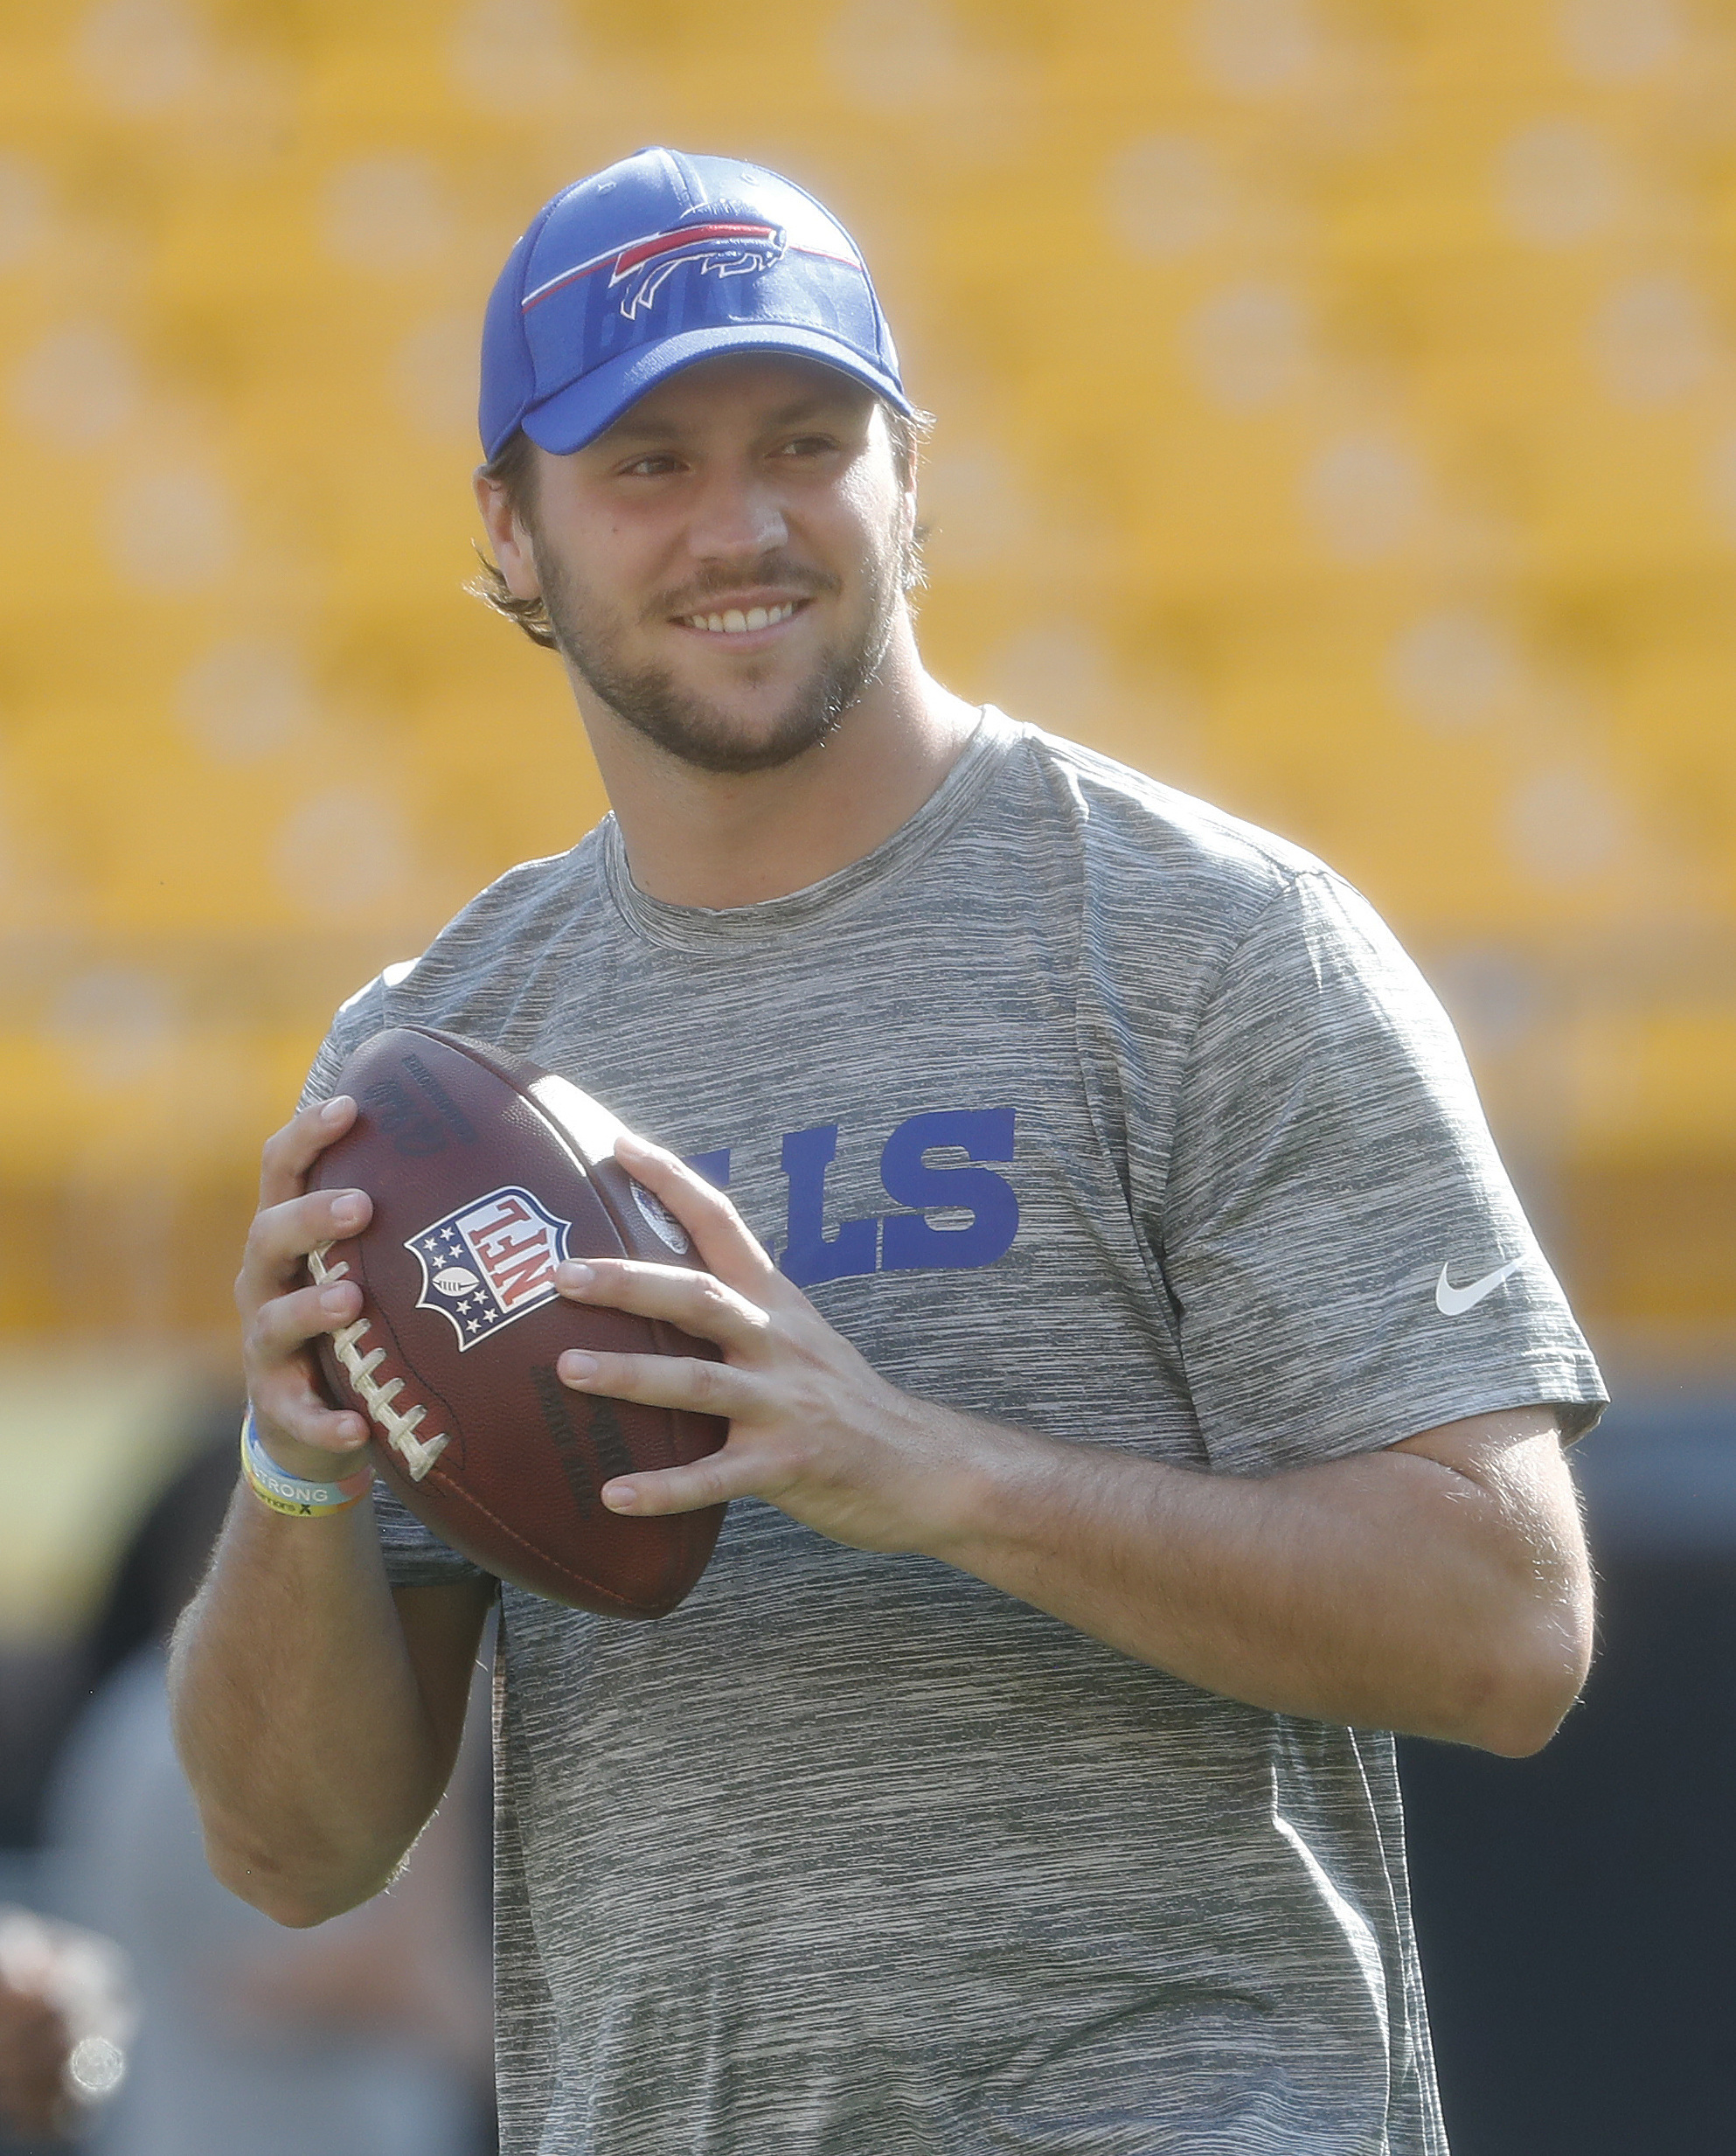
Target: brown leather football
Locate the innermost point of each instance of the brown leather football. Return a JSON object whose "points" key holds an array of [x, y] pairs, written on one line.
{"points": [[484, 1172]]}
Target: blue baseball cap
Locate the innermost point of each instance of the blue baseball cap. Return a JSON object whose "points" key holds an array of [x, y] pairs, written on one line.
{"points": [[656, 262]]}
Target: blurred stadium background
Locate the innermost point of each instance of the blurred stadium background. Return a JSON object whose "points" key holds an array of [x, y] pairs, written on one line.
{"points": [[1336, 415]]}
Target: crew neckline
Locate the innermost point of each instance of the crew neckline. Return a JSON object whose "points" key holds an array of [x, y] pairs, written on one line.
{"points": [[711, 927]]}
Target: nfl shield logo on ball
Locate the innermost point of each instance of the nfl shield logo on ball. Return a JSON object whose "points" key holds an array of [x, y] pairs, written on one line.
{"points": [[489, 1263]]}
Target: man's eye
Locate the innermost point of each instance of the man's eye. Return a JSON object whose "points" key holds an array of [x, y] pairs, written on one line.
{"points": [[649, 467], [808, 445]]}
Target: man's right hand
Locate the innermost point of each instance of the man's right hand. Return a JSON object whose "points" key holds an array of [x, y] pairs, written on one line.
{"points": [[282, 1312]]}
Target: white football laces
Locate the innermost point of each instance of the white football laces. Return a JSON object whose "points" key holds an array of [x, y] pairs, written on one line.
{"points": [[417, 1454]]}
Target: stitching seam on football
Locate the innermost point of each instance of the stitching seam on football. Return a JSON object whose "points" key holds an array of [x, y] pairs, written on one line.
{"points": [[534, 1549], [417, 1454]]}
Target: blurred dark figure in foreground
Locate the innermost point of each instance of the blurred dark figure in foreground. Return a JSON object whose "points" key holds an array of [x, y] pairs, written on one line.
{"points": [[66, 2013], [34, 2050], [367, 2037], [1575, 1909]]}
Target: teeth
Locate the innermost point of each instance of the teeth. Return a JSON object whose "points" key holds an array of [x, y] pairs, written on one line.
{"points": [[736, 623]]}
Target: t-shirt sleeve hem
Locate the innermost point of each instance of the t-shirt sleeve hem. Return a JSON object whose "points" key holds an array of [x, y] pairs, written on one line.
{"points": [[413, 1555], [429, 1566], [1545, 1380]]}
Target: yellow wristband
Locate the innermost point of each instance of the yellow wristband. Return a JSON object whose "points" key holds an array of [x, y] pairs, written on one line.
{"points": [[289, 1494]]}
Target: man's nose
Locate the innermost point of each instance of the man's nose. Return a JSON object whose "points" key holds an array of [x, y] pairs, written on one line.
{"points": [[737, 512]]}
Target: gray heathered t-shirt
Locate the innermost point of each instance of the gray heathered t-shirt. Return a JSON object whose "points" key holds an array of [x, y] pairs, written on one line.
{"points": [[1079, 1105]]}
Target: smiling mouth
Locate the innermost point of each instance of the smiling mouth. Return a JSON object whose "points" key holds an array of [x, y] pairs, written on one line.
{"points": [[734, 623]]}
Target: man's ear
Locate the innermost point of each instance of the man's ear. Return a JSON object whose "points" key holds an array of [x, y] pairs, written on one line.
{"points": [[509, 539]]}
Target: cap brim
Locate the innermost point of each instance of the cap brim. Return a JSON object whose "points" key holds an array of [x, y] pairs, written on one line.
{"points": [[579, 414]]}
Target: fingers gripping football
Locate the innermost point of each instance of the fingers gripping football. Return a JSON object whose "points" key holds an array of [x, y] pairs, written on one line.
{"points": [[733, 1254], [813, 1428], [280, 1313]]}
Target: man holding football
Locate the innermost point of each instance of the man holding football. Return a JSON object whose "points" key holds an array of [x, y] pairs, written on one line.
{"points": [[1145, 1390]]}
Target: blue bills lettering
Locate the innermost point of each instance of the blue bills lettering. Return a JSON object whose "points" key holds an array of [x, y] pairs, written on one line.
{"points": [[902, 1241], [810, 1255], [912, 1242]]}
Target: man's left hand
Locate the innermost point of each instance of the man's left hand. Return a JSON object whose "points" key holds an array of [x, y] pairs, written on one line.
{"points": [[813, 1428]]}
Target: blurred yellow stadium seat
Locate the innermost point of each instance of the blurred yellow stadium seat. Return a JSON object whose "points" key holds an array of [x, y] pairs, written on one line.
{"points": [[1336, 415]]}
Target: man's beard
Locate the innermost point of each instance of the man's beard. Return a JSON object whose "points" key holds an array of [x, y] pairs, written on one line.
{"points": [[686, 727]]}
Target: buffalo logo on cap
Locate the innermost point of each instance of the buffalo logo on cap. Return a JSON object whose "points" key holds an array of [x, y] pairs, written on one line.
{"points": [[718, 239], [722, 243]]}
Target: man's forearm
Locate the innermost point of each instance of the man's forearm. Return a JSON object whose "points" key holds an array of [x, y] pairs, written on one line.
{"points": [[1386, 1590], [1438, 1584], [298, 1714]]}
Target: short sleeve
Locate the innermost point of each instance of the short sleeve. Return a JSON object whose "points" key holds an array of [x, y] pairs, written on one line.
{"points": [[415, 1557], [1348, 1260], [357, 1020]]}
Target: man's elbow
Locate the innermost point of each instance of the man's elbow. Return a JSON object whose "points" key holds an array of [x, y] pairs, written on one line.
{"points": [[297, 1897], [1531, 1681]]}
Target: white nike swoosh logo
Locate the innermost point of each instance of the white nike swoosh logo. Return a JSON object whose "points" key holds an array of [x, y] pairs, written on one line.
{"points": [[1453, 1301]]}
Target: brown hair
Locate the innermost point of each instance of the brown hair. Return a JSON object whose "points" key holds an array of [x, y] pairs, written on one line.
{"points": [[514, 470]]}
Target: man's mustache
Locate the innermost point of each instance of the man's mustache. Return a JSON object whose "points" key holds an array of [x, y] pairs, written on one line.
{"points": [[791, 576]]}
